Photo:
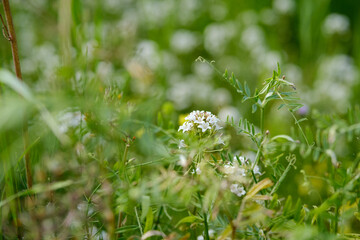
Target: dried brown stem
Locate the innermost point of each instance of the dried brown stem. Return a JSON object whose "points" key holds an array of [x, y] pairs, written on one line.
{"points": [[15, 53]]}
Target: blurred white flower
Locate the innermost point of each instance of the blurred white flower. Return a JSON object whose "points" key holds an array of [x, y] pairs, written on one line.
{"points": [[268, 16], [218, 11], [249, 17], [335, 77], [284, 6], [182, 144], [229, 111], [183, 41], [242, 160], [221, 141], [156, 12], [203, 70], [221, 97], [200, 237], [336, 24], [216, 37], [293, 73], [238, 190], [182, 161], [234, 170], [188, 11], [198, 171], [252, 37], [69, 119], [184, 92], [229, 169], [338, 68], [104, 70], [211, 233], [147, 52], [257, 170]]}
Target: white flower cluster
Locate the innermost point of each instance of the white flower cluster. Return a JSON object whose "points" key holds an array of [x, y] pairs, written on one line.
{"points": [[237, 189], [70, 119], [238, 172], [200, 120]]}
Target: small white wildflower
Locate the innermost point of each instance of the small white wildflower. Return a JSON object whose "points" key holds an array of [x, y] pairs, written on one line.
{"points": [[182, 144], [257, 170], [211, 233], [237, 190], [186, 127], [198, 171], [241, 158], [191, 117], [70, 119], [204, 126], [200, 237], [229, 169], [241, 171], [182, 161], [221, 141]]}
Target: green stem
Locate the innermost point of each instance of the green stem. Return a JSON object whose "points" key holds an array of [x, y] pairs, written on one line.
{"points": [[206, 227], [281, 179], [296, 121], [262, 120], [257, 158]]}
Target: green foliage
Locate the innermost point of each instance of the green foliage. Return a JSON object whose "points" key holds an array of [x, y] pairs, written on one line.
{"points": [[111, 157]]}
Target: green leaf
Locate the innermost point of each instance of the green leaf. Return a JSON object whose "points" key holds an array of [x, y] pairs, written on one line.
{"points": [[264, 89], [288, 205], [278, 69], [227, 231], [22, 89], [283, 137], [232, 79], [254, 108], [265, 183], [149, 220], [240, 88], [281, 105], [145, 205], [214, 158], [225, 74], [189, 219], [300, 120], [160, 119], [247, 89]]}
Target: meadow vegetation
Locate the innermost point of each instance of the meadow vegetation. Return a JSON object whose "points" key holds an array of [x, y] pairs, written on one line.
{"points": [[180, 120]]}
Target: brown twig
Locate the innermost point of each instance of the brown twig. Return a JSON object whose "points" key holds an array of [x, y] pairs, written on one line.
{"points": [[11, 36], [5, 31]]}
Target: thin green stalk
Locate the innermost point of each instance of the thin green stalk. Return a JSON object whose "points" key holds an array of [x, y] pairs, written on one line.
{"points": [[294, 117], [258, 153], [206, 227], [281, 179], [262, 120], [138, 221], [15, 53]]}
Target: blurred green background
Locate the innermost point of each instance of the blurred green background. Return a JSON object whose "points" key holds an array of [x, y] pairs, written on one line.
{"points": [[156, 43]]}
